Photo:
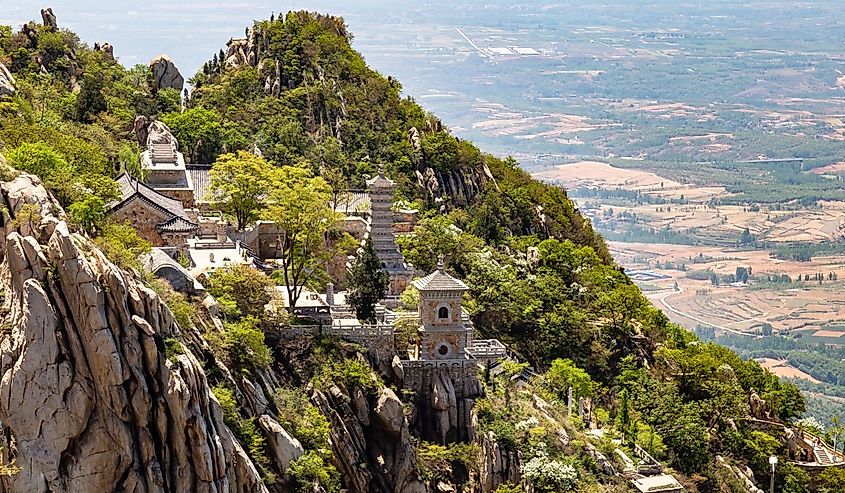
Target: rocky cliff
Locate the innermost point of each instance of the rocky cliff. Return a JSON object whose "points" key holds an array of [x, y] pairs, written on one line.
{"points": [[88, 399]]}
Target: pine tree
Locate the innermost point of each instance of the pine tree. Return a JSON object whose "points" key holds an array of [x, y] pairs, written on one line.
{"points": [[367, 283]]}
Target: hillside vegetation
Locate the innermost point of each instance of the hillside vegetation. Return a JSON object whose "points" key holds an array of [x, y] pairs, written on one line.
{"points": [[301, 96]]}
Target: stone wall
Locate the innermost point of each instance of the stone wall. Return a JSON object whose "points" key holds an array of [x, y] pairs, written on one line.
{"points": [[432, 344], [184, 195], [420, 374], [144, 218]]}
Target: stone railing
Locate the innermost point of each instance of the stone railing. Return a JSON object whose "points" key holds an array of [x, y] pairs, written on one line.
{"points": [[378, 337], [648, 465], [486, 349]]}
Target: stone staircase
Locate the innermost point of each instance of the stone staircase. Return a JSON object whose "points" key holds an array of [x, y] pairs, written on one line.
{"points": [[823, 455]]}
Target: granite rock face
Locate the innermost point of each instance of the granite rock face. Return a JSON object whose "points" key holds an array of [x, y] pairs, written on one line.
{"points": [[498, 465], [285, 447], [7, 81], [165, 74], [372, 431], [88, 399], [106, 49]]}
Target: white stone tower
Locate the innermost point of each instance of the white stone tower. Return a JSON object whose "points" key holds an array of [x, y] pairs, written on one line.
{"points": [[381, 231]]}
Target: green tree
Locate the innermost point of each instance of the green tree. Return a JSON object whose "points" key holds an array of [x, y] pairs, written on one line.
{"points": [[88, 213], [55, 172], [299, 205], [90, 102], [437, 237], [122, 245], [239, 185], [564, 374], [199, 132], [440, 151], [243, 346], [832, 480], [367, 283]]}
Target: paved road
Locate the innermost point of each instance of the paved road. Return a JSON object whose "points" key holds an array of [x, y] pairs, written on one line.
{"points": [[662, 298]]}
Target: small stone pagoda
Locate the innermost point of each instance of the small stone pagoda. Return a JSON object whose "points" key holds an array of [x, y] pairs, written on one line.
{"points": [[444, 333], [381, 231], [445, 343]]}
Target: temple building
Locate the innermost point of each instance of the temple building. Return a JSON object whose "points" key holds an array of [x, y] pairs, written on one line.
{"points": [[445, 338], [168, 207], [161, 220], [381, 231]]}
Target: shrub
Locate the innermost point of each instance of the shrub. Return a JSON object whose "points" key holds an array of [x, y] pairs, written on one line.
{"points": [[121, 244], [173, 348], [184, 313], [29, 214], [228, 405], [241, 289], [243, 346], [509, 488], [311, 469], [57, 175], [548, 475], [303, 419], [349, 372], [436, 461], [245, 430]]}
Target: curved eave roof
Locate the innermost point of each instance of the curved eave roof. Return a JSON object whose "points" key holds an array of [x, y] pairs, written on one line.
{"points": [[439, 280]]}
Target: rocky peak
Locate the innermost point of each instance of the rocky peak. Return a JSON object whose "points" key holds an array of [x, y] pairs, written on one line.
{"points": [[88, 399], [165, 74], [49, 19], [106, 49]]}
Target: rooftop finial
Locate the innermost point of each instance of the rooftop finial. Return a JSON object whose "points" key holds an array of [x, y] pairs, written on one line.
{"points": [[381, 171], [440, 265]]}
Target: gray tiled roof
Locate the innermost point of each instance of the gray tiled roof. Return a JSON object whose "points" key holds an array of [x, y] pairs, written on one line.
{"points": [[439, 280], [380, 181], [179, 221], [200, 176], [130, 187]]}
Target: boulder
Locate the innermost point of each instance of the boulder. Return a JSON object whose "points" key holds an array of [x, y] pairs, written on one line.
{"points": [[374, 457], [7, 81], [139, 127], [398, 370], [444, 404], [498, 465], [744, 477], [159, 133], [285, 448], [389, 411], [165, 74]]}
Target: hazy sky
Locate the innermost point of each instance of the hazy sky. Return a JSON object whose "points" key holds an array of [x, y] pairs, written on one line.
{"points": [[189, 31]]}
